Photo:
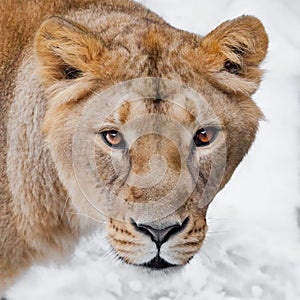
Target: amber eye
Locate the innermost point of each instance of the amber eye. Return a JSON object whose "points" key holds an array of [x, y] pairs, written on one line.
{"points": [[205, 136], [114, 139]]}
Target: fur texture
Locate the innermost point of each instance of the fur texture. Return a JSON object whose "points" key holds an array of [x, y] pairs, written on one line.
{"points": [[56, 58]]}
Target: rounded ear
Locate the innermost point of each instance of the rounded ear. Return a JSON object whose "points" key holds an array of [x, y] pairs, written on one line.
{"points": [[231, 54], [65, 50]]}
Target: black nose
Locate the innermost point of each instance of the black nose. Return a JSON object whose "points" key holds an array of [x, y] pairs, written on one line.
{"points": [[160, 236]]}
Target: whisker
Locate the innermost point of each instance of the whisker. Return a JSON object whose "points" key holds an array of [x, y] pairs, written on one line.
{"points": [[210, 260], [215, 246], [217, 232], [89, 217], [64, 208], [218, 219]]}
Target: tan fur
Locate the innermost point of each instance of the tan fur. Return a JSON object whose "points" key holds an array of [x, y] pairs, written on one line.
{"points": [[56, 58]]}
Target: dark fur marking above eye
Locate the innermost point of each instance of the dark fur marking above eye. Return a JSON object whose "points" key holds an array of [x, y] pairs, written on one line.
{"points": [[157, 100], [158, 97], [232, 68], [71, 73]]}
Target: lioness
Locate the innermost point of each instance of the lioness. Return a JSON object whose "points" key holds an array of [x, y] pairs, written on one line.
{"points": [[111, 117]]}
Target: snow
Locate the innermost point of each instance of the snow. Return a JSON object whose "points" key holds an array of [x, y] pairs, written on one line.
{"points": [[252, 250]]}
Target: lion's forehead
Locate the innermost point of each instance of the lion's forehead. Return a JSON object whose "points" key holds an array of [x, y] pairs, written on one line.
{"points": [[163, 110], [184, 113]]}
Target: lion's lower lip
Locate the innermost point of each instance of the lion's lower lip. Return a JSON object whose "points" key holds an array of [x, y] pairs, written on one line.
{"points": [[158, 263]]}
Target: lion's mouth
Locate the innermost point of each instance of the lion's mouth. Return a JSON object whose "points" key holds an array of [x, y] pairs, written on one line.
{"points": [[158, 263]]}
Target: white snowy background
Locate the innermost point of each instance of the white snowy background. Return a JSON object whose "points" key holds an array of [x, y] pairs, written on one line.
{"points": [[253, 246]]}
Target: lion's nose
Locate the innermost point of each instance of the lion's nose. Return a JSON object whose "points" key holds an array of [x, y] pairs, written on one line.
{"points": [[162, 235]]}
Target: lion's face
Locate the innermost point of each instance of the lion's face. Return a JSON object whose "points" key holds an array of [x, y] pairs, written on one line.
{"points": [[156, 160], [146, 156]]}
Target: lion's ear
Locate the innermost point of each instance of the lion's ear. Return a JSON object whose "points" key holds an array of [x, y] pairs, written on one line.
{"points": [[66, 50], [231, 54]]}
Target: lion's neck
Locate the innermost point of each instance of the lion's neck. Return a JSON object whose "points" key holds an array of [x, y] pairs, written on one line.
{"points": [[40, 202]]}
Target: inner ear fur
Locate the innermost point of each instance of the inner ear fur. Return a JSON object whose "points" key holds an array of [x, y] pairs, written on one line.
{"points": [[231, 54], [66, 50]]}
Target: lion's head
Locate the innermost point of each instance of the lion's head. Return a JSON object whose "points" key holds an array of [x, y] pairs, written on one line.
{"points": [[146, 123]]}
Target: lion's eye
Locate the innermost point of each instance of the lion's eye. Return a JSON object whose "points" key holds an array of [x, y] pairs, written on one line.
{"points": [[205, 136], [114, 139]]}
